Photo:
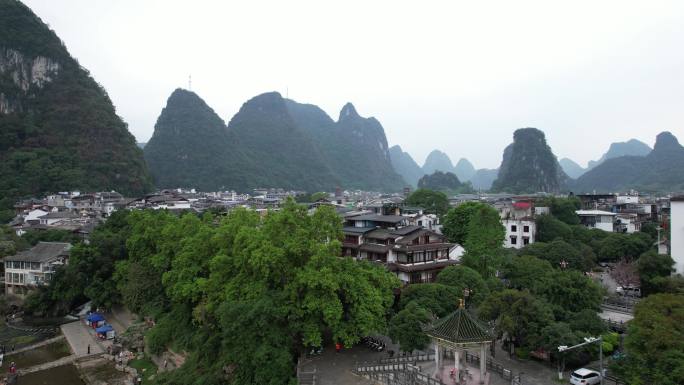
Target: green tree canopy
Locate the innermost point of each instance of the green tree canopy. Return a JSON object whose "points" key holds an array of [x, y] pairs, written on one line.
{"points": [[519, 315], [457, 219], [406, 327], [558, 251], [550, 228], [653, 268], [433, 202], [438, 299], [462, 277], [655, 342], [564, 209], [484, 242]]}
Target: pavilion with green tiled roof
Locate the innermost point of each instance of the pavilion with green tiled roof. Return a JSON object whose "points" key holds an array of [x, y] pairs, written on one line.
{"points": [[458, 331]]}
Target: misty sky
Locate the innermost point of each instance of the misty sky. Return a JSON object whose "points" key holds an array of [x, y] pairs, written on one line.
{"points": [[458, 76]]}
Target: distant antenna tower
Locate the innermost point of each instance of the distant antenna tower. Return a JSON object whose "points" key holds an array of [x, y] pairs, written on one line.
{"points": [[189, 82]]}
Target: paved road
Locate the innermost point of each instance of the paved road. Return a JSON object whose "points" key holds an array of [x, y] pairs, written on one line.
{"points": [[79, 337], [615, 315], [335, 368]]}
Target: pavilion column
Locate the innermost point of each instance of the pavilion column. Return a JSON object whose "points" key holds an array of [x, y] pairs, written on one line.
{"points": [[483, 363], [457, 357], [437, 355]]}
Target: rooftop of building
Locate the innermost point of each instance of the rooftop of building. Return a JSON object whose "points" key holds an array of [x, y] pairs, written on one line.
{"points": [[42, 252]]}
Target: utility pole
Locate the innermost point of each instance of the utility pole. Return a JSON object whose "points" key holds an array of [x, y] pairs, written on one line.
{"points": [[587, 341]]}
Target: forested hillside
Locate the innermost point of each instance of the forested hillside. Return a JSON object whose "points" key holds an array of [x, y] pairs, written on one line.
{"points": [[270, 142], [58, 128], [529, 166], [190, 145]]}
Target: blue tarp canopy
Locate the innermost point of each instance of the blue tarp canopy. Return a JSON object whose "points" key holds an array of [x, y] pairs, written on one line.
{"points": [[104, 329], [95, 317]]}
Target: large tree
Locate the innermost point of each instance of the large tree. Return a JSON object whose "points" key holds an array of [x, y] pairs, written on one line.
{"points": [[463, 278], [484, 242], [406, 327], [433, 202], [655, 342], [456, 221], [518, 315], [653, 271]]}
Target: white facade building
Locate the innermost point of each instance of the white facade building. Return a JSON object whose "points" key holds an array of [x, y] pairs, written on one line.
{"points": [[34, 267], [677, 233], [519, 232], [597, 219]]}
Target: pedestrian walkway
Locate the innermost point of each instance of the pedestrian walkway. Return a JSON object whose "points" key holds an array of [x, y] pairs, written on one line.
{"points": [[79, 338], [34, 346], [120, 318], [48, 365]]}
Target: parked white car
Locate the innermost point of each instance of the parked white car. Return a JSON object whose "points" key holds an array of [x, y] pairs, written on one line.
{"points": [[585, 377]]}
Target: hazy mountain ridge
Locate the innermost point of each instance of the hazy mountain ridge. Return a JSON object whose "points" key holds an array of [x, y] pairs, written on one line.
{"points": [[632, 147], [572, 168], [438, 161], [405, 166], [464, 170], [662, 170], [58, 128]]}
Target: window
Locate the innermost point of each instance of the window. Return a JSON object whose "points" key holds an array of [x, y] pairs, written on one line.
{"points": [[514, 228], [526, 241], [514, 240], [526, 229]]}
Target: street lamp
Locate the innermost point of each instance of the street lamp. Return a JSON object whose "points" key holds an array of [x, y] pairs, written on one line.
{"points": [[563, 264], [587, 341]]}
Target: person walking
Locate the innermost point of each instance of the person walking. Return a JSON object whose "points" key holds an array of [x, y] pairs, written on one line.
{"points": [[88, 348], [338, 347]]}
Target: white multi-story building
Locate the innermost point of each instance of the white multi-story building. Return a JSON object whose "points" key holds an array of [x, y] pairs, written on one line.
{"points": [[519, 232], [34, 267], [677, 233], [517, 218], [597, 219]]}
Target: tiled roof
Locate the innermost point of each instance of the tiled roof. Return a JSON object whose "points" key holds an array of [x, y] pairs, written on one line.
{"points": [[357, 230], [59, 215], [406, 230], [379, 218], [374, 248], [459, 327], [381, 234], [42, 252]]}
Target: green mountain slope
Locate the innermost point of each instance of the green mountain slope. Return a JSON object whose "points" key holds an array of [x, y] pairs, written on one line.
{"points": [[363, 159], [662, 170], [277, 152], [58, 128], [529, 165], [190, 145], [405, 166]]}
